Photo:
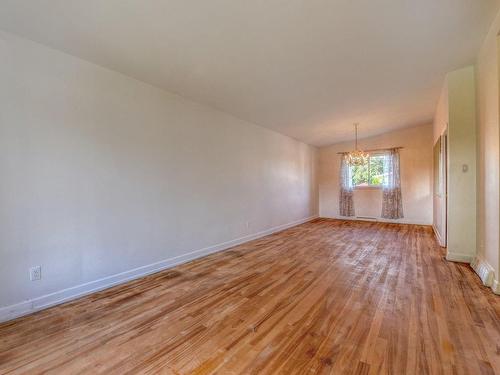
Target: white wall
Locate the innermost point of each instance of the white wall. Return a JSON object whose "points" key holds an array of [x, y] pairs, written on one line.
{"points": [[101, 174], [456, 111], [441, 116], [462, 208], [416, 176], [440, 125], [488, 151]]}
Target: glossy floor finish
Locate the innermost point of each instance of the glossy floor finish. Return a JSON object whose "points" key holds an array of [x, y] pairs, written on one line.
{"points": [[327, 296]]}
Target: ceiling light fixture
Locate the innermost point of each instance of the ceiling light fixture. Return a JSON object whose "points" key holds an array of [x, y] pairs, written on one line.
{"points": [[357, 157]]}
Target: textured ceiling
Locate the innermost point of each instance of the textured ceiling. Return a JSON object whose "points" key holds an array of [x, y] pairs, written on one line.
{"points": [[308, 69]]}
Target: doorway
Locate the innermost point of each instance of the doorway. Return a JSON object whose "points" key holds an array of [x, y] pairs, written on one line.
{"points": [[441, 188]]}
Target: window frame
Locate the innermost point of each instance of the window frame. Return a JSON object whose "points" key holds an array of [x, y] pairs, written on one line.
{"points": [[369, 186]]}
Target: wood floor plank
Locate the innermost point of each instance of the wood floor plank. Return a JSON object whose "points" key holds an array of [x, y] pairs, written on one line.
{"points": [[325, 297]]}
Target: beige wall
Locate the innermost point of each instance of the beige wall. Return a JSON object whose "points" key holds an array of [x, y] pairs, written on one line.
{"points": [[488, 149], [461, 244], [441, 116], [456, 112], [440, 125], [416, 176], [105, 177]]}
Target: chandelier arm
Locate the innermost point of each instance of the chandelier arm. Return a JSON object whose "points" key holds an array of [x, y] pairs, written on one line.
{"points": [[357, 157], [356, 136]]}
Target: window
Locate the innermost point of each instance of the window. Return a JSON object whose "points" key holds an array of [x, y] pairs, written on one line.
{"points": [[371, 174]]}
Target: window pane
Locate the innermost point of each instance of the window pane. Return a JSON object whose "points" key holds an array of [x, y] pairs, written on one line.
{"points": [[360, 175], [376, 170], [371, 174]]}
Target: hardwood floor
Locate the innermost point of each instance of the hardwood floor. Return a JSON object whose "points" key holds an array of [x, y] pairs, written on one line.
{"points": [[327, 296]]}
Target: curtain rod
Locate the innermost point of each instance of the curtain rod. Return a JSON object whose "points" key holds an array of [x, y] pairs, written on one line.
{"points": [[377, 149]]}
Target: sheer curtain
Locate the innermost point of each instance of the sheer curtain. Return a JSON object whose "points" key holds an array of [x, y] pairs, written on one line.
{"points": [[392, 202], [346, 202]]}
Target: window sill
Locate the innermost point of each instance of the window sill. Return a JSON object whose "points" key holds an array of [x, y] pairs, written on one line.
{"points": [[368, 188]]}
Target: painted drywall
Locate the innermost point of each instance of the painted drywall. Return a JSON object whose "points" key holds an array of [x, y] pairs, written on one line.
{"points": [[441, 116], [102, 174], [439, 127], [461, 244], [308, 69], [456, 110], [488, 150], [416, 176]]}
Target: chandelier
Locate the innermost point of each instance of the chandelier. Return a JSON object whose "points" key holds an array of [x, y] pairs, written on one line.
{"points": [[357, 157]]}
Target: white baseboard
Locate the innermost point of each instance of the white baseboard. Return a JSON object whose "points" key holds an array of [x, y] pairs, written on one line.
{"points": [[378, 219], [438, 236], [484, 270], [461, 258], [64, 295], [486, 273], [495, 287]]}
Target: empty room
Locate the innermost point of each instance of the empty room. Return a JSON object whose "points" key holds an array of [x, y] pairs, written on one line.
{"points": [[250, 187]]}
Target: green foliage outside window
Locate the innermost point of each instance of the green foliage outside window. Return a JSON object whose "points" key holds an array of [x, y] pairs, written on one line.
{"points": [[370, 174]]}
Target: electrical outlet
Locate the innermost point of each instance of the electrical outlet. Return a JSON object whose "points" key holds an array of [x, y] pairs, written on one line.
{"points": [[35, 273]]}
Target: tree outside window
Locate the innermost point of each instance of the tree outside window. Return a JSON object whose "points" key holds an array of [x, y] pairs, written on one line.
{"points": [[371, 174]]}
